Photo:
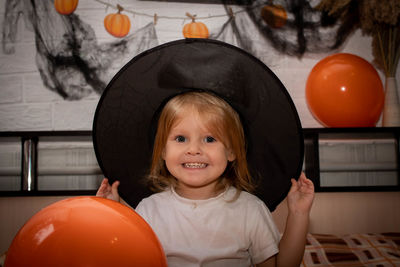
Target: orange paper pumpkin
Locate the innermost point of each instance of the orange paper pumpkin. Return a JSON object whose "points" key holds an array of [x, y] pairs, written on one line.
{"points": [[65, 7], [195, 29], [274, 15], [85, 231], [117, 24], [345, 90]]}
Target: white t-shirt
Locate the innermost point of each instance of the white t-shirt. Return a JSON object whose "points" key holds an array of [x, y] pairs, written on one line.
{"points": [[212, 232]]}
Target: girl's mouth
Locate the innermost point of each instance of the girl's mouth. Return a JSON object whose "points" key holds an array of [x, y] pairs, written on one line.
{"points": [[195, 165]]}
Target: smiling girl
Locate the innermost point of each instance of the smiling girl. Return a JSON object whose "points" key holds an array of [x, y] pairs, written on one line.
{"points": [[204, 213]]}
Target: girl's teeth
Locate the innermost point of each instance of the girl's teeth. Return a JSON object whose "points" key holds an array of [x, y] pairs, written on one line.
{"points": [[195, 165]]}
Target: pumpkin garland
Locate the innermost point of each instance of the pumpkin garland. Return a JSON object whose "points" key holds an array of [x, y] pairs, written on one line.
{"points": [[65, 7], [195, 29], [117, 24]]}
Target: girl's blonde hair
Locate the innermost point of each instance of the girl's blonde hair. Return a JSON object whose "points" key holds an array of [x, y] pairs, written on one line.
{"points": [[223, 122]]}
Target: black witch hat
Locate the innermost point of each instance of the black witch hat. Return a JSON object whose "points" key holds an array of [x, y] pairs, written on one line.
{"points": [[125, 118]]}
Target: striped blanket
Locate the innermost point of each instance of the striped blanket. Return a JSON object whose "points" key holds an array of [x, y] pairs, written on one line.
{"points": [[352, 250]]}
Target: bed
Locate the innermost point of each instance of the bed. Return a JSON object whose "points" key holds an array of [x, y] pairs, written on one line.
{"points": [[352, 250]]}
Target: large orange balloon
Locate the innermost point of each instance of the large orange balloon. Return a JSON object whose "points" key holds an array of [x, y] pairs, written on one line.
{"points": [[345, 90], [85, 231]]}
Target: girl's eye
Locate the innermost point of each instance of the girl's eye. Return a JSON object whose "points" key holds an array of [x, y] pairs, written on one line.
{"points": [[209, 139], [180, 139]]}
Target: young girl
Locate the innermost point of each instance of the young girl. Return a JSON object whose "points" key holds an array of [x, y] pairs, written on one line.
{"points": [[203, 213]]}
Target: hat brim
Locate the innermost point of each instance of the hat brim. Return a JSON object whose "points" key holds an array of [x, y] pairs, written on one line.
{"points": [[123, 128]]}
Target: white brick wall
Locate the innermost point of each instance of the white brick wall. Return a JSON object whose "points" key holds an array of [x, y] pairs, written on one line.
{"points": [[25, 104]]}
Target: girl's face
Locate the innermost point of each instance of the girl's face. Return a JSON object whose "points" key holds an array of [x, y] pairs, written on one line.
{"points": [[195, 157]]}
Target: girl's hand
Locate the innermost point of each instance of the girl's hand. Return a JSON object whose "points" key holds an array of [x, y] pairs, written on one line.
{"points": [[301, 195], [108, 191]]}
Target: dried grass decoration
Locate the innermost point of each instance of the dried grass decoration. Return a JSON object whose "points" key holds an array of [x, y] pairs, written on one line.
{"points": [[381, 20]]}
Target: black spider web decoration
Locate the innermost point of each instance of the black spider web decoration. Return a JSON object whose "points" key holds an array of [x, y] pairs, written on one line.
{"points": [[69, 58], [307, 30]]}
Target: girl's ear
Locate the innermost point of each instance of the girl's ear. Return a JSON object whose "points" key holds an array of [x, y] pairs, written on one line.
{"points": [[163, 154], [231, 156]]}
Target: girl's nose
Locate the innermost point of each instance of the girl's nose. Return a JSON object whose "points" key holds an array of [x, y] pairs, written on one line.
{"points": [[194, 148]]}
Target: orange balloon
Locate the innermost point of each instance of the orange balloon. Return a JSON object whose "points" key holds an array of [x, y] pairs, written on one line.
{"points": [[85, 231], [345, 90]]}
